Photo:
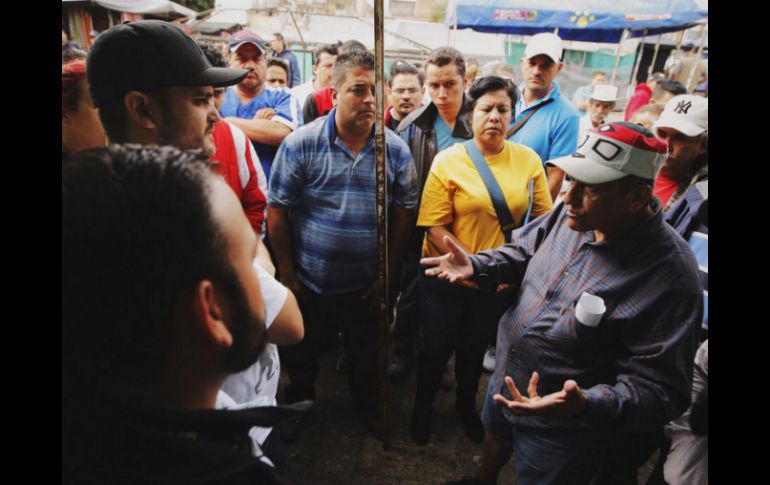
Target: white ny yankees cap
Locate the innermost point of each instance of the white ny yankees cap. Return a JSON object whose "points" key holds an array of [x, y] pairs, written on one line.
{"points": [[685, 113]]}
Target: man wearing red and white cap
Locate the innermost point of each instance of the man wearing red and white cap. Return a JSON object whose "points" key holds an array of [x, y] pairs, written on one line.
{"points": [[265, 114], [573, 378], [684, 125]]}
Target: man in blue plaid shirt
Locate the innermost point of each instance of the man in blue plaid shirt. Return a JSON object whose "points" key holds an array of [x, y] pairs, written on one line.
{"points": [[567, 383], [322, 227]]}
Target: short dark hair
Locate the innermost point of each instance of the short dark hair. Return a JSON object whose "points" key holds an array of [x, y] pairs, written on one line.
{"points": [[671, 86], [137, 234], [350, 45], [348, 60], [277, 61], [328, 48], [403, 67], [490, 84], [446, 55], [214, 55], [279, 36], [71, 54]]}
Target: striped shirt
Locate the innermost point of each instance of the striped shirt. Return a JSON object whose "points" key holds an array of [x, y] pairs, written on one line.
{"points": [[636, 365], [331, 197]]}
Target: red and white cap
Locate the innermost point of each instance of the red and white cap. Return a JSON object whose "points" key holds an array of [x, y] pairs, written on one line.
{"points": [[613, 151]]}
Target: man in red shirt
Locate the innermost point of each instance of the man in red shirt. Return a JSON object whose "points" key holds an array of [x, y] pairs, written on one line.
{"points": [[684, 126], [235, 158], [643, 94]]}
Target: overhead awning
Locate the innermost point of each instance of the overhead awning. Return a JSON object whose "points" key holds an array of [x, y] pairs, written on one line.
{"points": [[161, 8]]}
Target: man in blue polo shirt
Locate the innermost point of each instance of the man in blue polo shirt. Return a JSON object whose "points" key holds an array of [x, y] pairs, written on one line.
{"points": [[552, 129], [323, 229], [266, 115]]}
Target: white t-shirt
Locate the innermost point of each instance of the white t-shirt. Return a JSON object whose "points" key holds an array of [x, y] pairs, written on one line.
{"points": [[302, 91], [258, 385]]}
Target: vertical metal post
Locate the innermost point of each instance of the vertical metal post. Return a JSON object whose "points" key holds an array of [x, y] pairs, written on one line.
{"points": [[454, 37], [694, 66], [617, 56], [299, 32], [382, 217], [639, 55], [654, 57]]}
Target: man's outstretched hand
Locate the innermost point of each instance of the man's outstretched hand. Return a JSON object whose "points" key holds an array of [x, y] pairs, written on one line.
{"points": [[454, 266], [569, 401]]}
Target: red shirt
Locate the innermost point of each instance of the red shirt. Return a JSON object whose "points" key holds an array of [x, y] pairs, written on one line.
{"points": [[642, 95], [235, 158], [664, 188]]}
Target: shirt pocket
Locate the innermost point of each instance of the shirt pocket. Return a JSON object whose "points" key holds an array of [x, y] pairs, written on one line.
{"points": [[580, 347]]}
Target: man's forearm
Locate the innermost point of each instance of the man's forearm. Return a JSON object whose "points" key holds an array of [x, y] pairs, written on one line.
{"points": [[279, 229], [262, 131]]}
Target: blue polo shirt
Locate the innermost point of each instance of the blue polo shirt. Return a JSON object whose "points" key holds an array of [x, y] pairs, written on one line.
{"points": [[330, 194], [286, 113], [444, 138], [553, 130]]}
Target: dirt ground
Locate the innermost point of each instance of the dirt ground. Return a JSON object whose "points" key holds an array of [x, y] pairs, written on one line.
{"points": [[334, 448]]}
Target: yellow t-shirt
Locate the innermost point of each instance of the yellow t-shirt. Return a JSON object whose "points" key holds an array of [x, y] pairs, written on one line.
{"points": [[455, 195]]}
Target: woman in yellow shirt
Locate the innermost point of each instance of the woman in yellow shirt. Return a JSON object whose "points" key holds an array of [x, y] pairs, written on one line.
{"points": [[456, 204]]}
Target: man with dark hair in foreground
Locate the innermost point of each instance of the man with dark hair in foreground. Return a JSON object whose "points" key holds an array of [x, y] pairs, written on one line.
{"points": [[160, 303]]}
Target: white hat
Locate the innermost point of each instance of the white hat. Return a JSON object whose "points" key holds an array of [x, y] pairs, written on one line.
{"points": [[605, 92], [686, 113], [613, 151], [545, 43]]}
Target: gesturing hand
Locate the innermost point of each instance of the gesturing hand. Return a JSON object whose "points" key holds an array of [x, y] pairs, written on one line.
{"points": [[569, 401], [454, 266]]}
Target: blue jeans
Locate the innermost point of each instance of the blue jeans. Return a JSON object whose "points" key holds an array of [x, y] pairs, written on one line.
{"points": [[546, 456]]}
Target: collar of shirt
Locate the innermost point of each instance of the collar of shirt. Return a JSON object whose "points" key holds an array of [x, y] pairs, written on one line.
{"points": [[331, 131], [552, 93]]}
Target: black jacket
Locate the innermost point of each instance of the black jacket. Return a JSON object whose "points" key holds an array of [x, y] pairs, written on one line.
{"points": [[417, 131]]}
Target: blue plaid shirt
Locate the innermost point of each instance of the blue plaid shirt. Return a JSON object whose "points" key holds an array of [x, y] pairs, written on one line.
{"points": [[331, 197], [636, 365]]}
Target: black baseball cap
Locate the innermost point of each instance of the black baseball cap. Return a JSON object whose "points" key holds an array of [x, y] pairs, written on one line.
{"points": [[148, 55]]}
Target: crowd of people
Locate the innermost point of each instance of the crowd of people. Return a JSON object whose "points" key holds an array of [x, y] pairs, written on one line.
{"points": [[219, 225]]}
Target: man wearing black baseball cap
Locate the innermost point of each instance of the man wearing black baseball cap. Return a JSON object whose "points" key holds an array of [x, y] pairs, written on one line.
{"points": [[152, 84]]}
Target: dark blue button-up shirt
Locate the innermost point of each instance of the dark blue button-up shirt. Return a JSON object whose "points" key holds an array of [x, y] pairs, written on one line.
{"points": [[636, 365]]}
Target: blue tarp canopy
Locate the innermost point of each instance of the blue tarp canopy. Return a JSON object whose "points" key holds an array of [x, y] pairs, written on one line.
{"points": [[588, 20]]}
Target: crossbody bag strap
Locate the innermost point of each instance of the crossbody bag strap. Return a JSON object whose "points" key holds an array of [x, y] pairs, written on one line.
{"points": [[529, 115], [504, 216]]}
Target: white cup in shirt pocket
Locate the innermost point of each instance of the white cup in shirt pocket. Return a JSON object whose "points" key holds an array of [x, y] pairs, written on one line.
{"points": [[589, 310]]}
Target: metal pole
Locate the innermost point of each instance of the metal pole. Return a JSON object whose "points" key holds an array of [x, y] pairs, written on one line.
{"points": [[454, 37], [639, 55], [304, 45], [694, 66], [382, 217], [654, 57], [617, 56]]}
